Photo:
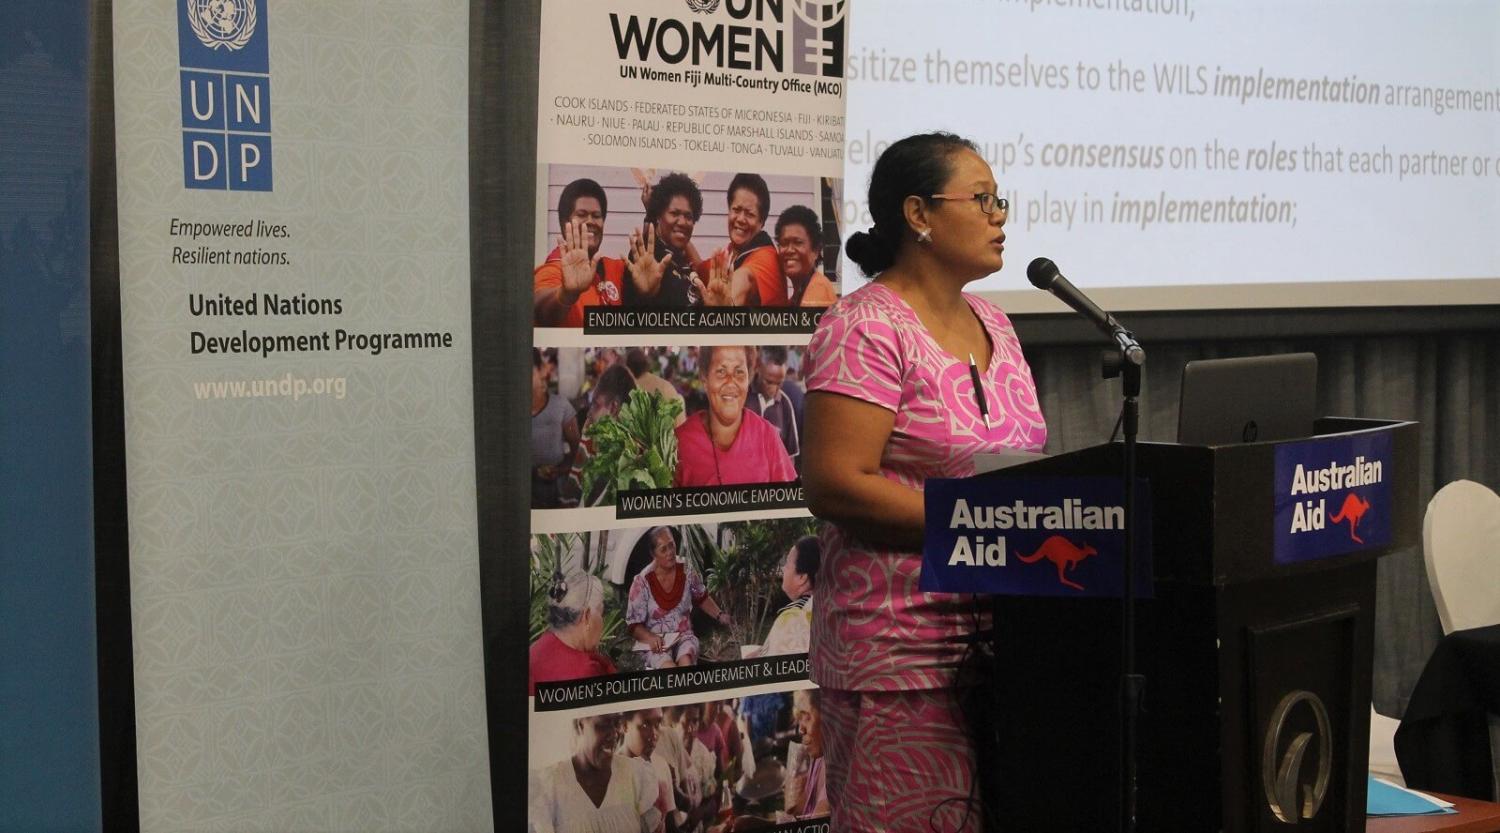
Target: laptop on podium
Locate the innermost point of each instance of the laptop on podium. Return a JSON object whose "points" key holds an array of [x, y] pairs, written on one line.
{"points": [[1248, 399]]}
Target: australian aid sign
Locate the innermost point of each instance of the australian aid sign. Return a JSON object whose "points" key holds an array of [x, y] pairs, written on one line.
{"points": [[1333, 496], [1038, 536]]}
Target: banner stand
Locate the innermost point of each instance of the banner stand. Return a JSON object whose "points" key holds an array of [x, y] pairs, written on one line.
{"points": [[504, 46]]}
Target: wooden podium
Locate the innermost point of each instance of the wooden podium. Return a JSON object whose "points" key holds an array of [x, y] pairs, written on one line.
{"points": [[1255, 714]]}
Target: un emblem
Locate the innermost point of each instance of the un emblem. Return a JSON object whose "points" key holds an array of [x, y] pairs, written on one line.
{"points": [[1282, 783], [226, 23], [820, 13], [703, 6]]}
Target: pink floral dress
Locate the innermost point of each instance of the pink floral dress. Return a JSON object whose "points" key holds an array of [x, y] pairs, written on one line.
{"points": [[873, 630], [665, 613]]}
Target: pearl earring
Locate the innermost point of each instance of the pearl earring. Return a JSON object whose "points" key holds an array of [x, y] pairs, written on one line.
{"points": [[925, 235]]}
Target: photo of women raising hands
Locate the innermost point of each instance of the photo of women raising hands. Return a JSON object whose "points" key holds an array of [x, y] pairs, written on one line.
{"points": [[648, 238]]}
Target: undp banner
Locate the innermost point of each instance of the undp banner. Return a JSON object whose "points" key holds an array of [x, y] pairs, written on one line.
{"points": [[1333, 496], [1037, 536], [296, 358]]}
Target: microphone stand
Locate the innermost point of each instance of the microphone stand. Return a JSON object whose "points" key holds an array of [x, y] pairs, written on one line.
{"points": [[1126, 362]]}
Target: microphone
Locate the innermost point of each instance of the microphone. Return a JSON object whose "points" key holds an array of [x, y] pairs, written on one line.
{"points": [[1044, 274]]}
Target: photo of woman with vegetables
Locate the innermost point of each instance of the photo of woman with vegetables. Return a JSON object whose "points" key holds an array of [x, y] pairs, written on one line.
{"points": [[681, 417]]}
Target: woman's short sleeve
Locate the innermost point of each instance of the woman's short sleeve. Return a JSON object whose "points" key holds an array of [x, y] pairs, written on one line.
{"points": [[856, 351], [783, 470], [646, 792], [696, 588], [638, 606], [541, 801]]}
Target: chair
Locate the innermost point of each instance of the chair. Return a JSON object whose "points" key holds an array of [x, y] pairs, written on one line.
{"points": [[1461, 548]]}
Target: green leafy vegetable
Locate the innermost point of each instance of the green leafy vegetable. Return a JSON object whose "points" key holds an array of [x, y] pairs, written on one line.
{"points": [[634, 449]]}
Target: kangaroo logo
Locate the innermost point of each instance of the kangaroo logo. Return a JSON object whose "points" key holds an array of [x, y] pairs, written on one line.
{"points": [[1062, 552], [1353, 509]]}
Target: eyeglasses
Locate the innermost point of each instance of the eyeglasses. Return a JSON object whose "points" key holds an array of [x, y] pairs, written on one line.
{"points": [[988, 203]]}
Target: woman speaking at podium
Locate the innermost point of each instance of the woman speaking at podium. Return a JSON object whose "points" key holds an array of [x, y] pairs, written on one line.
{"points": [[909, 378]]}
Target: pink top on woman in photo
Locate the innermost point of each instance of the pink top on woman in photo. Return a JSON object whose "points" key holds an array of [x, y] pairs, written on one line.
{"points": [[755, 456], [873, 630]]}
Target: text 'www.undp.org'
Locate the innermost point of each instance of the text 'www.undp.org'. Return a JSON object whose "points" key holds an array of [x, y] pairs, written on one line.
{"points": [[281, 387]]}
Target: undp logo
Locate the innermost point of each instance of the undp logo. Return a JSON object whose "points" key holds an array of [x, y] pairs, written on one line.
{"points": [[226, 35], [222, 23], [226, 94]]}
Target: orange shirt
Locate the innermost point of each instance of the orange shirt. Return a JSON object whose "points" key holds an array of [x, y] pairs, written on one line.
{"points": [[765, 274], [606, 290], [820, 291]]}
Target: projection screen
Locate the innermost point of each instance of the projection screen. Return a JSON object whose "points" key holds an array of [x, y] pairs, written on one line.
{"points": [[1207, 154]]}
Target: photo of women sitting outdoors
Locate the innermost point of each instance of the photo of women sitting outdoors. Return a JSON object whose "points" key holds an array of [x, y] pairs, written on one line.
{"points": [[662, 599], [669, 596]]}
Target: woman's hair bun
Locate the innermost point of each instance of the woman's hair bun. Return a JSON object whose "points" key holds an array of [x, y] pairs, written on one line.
{"points": [[872, 251]]}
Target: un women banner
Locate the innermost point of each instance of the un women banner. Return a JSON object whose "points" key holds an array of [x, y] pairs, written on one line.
{"points": [[687, 215], [294, 275]]}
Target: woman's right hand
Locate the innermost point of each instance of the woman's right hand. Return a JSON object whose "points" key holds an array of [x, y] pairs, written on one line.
{"points": [[645, 270], [577, 267], [656, 643], [715, 291]]}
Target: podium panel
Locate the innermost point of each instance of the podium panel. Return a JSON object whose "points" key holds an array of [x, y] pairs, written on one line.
{"points": [[1257, 673]]}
